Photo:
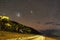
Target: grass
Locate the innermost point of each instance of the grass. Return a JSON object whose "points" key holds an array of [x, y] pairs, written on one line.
{"points": [[17, 36]]}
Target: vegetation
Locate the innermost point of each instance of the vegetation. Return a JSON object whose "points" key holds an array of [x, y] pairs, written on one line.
{"points": [[7, 25]]}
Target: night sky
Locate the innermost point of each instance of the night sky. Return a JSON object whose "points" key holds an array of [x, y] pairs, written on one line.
{"points": [[38, 14]]}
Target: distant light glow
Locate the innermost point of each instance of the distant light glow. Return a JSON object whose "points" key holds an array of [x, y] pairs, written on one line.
{"points": [[18, 14], [31, 12]]}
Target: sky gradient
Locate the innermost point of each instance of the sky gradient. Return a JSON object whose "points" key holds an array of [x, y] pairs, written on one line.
{"points": [[33, 13]]}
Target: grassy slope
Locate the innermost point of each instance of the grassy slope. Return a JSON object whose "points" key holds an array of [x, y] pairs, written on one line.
{"points": [[8, 35]]}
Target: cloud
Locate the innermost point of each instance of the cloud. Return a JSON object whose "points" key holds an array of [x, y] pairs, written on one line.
{"points": [[49, 22], [53, 23], [57, 24]]}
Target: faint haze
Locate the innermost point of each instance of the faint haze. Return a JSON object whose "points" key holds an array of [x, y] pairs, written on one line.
{"points": [[33, 13]]}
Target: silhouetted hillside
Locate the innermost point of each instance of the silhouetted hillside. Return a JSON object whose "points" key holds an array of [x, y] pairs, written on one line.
{"points": [[52, 33], [12, 26]]}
